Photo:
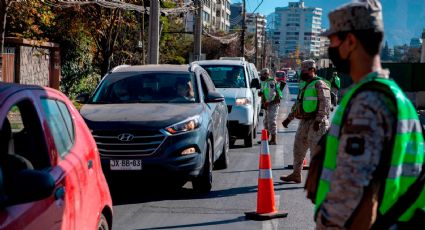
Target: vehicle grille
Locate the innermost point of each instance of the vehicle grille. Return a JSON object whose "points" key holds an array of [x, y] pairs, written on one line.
{"points": [[142, 143]]}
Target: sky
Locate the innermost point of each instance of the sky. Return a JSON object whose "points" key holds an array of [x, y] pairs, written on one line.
{"points": [[403, 19]]}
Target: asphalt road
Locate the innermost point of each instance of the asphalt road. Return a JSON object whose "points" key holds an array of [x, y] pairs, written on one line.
{"points": [[234, 193]]}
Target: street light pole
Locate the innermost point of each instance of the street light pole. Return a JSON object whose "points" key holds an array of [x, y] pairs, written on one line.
{"points": [[256, 40], [153, 49], [197, 33], [243, 28]]}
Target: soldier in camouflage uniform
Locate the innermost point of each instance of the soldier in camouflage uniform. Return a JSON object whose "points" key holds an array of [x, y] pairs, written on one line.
{"points": [[315, 123], [349, 193], [271, 95]]}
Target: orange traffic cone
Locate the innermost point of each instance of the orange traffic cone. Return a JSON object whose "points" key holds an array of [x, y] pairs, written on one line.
{"points": [[305, 165], [266, 208]]}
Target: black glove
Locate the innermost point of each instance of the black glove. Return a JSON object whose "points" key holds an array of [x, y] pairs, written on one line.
{"points": [[286, 122]]}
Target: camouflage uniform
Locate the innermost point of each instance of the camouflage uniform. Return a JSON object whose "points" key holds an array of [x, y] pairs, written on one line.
{"points": [[370, 118], [270, 118], [270, 104], [306, 138], [366, 130]]}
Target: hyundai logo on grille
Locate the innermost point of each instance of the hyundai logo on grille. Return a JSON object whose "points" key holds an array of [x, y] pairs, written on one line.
{"points": [[125, 137]]}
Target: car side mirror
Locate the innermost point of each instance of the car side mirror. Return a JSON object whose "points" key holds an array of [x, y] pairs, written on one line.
{"points": [[214, 97], [255, 83], [31, 185], [83, 98]]}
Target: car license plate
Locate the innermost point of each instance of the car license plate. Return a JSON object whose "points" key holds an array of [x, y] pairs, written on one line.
{"points": [[126, 164]]}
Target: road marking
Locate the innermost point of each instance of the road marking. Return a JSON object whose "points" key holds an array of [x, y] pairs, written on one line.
{"points": [[272, 224]]}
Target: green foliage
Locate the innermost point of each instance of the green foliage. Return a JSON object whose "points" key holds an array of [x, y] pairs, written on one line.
{"points": [[94, 39]]}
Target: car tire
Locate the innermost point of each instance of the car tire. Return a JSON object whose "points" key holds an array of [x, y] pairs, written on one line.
{"points": [[232, 143], [103, 223], [223, 161], [203, 183], [248, 140]]}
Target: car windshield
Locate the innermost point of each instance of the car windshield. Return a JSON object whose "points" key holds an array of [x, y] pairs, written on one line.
{"points": [[280, 74], [227, 76], [150, 87]]}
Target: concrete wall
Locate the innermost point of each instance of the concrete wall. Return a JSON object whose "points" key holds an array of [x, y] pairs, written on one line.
{"points": [[34, 65]]}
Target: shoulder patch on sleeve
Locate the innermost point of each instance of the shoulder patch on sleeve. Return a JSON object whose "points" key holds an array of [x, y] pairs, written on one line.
{"points": [[356, 125], [355, 146]]}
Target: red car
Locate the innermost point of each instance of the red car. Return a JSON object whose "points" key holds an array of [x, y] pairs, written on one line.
{"points": [[50, 171], [281, 76]]}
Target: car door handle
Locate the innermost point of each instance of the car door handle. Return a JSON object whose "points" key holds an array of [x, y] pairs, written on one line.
{"points": [[90, 164]]}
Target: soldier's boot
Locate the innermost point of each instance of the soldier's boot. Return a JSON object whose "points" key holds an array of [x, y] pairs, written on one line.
{"points": [[273, 140], [293, 177]]}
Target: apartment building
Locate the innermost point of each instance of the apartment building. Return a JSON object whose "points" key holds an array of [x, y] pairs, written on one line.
{"points": [[215, 16], [256, 22], [297, 26]]}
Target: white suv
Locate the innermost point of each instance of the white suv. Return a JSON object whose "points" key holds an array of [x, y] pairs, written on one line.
{"points": [[237, 81]]}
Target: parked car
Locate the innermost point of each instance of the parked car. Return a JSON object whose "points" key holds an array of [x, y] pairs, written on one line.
{"points": [[237, 81], [281, 76], [292, 76], [159, 121], [51, 176]]}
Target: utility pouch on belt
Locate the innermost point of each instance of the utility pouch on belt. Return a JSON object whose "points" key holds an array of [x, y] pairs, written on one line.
{"points": [[315, 171]]}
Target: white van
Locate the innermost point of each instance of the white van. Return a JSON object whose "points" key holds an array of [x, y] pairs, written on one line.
{"points": [[237, 81]]}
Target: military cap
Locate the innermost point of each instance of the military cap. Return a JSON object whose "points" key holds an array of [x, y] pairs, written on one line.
{"points": [[357, 15], [265, 70], [308, 64]]}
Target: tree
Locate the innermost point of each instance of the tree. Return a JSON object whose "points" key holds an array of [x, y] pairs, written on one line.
{"points": [[385, 54]]}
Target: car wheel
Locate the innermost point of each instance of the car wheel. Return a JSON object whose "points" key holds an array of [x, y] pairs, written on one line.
{"points": [[203, 183], [223, 161], [103, 223], [249, 139], [232, 143]]}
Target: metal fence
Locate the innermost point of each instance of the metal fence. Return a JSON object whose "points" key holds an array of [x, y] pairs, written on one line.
{"points": [[409, 76]]}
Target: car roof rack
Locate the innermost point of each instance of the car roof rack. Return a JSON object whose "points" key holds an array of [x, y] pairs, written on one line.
{"points": [[233, 58]]}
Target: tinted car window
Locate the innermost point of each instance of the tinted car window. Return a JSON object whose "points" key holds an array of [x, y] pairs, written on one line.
{"points": [[57, 124], [227, 76], [67, 118], [147, 88]]}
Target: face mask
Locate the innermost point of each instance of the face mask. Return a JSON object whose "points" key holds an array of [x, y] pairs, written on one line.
{"points": [[341, 65], [305, 76]]}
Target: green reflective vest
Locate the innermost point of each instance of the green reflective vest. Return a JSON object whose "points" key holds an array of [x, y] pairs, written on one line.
{"points": [[309, 96], [269, 93], [336, 81], [407, 154]]}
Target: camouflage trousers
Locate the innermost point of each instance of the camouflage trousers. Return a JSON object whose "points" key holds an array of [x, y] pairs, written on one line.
{"points": [[306, 138], [270, 118]]}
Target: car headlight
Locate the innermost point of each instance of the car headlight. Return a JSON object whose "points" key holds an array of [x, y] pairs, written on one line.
{"points": [[187, 125], [242, 101]]}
